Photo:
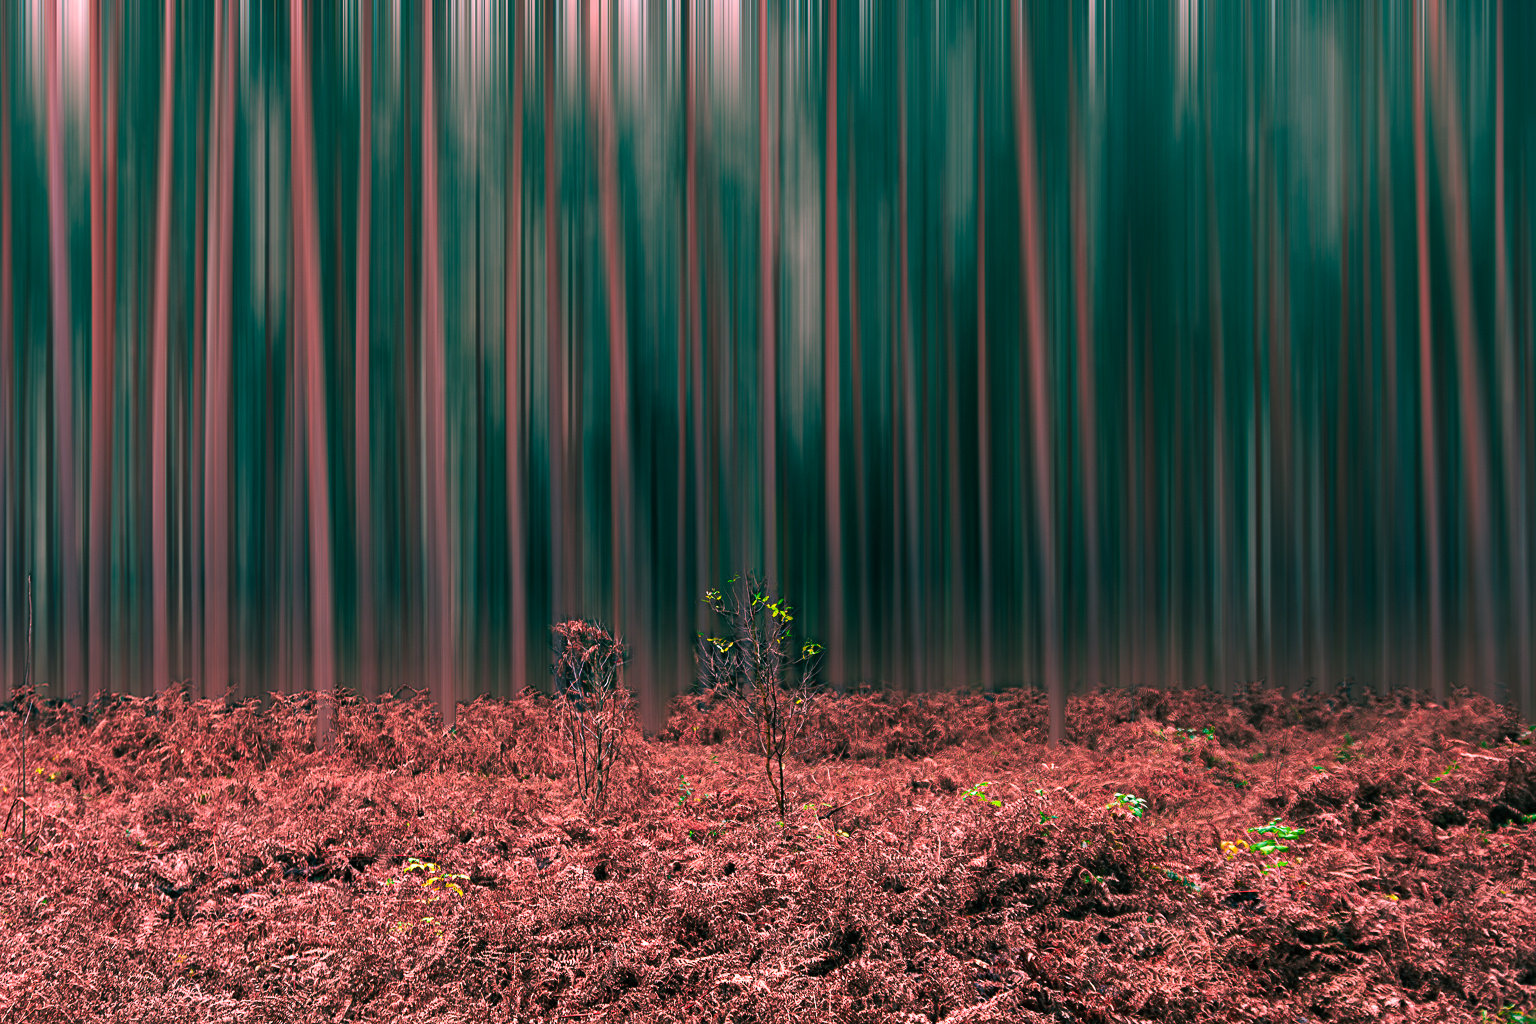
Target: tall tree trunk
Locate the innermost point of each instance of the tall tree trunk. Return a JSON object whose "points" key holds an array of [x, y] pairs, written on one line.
{"points": [[440, 616], [1431, 485], [701, 524], [517, 539], [832, 379], [8, 498], [1088, 444], [63, 378], [983, 423], [311, 324], [562, 539], [99, 569], [627, 611], [918, 672], [367, 652], [1474, 450], [768, 361], [216, 624], [159, 367], [1388, 556], [1034, 287], [856, 389], [1513, 444]]}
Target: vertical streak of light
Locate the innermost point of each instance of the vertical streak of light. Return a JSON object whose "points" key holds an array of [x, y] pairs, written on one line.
{"points": [[918, 672], [63, 380], [159, 363], [831, 374], [1034, 283], [516, 460], [767, 297], [307, 249], [983, 426], [1469, 375], [362, 390], [1513, 443], [1389, 341], [1431, 487]]}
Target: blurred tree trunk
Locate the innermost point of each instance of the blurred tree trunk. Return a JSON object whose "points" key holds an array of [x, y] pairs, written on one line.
{"points": [[307, 250], [837, 659], [628, 616], [1034, 286], [8, 475], [1427, 376], [767, 451], [216, 626], [1088, 441], [1391, 464], [562, 539], [69, 685], [983, 421], [367, 652], [1512, 443], [1473, 429], [701, 524], [102, 298], [439, 593], [159, 360], [517, 540], [917, 671]]}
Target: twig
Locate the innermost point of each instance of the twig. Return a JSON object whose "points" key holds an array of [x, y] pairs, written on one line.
{"points": [[821, 817]]}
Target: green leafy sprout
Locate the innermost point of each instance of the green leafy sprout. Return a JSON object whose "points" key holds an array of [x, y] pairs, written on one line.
{"points": [[977, 792], [1453, 766], [1128, 802]]}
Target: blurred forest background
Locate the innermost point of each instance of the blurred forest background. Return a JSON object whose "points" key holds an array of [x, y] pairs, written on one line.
{"points": [[1048, 344]]}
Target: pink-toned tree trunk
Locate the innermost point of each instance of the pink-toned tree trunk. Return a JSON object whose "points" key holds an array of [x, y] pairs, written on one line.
{"points": [[621, 460], [160, 658], [216, 627], [1513, 444], [367, 651], [1431, 476], [517, 539], [439, 568], [1034, 288], [1474, 443], [63, 378], [102, 353], [768, 361], [983, 424], [562, 540], [307, 252], [832, 380]]}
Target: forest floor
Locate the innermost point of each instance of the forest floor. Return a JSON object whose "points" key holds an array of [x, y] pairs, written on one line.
{"points": [[184, 861]]}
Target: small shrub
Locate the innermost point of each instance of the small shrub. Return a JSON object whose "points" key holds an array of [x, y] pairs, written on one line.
{"points": [[586, 669], [756, 667]]}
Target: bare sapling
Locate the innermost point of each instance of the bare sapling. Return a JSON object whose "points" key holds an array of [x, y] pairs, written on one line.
{"points": [[28, 694], [590, 702], [763, 677]]}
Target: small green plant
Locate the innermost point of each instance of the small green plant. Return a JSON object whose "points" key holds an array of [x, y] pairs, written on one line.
{"points": [[687, 790], [977, 793], [586, 669], [1273, 840], [1509, 1015], [1453, 766], [1344, 753], [755, 667], [426, 867], [1127, 803], [1190, 732]]}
